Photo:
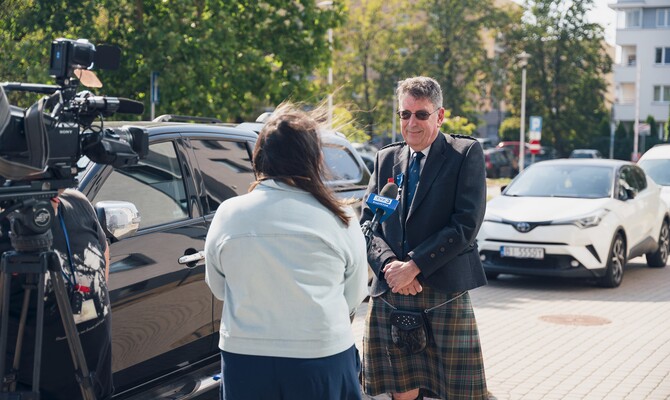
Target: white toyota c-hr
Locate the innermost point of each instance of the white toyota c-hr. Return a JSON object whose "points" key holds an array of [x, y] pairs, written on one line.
{"points": [[575, 218]]}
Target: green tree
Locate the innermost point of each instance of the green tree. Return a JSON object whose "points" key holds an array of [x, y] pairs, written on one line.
{"points": [[215, 58], [450, 49], [653, 126], [385, 41], [343, 122], [457, 125], [370, 60], [621, 132], [566, 70], [623, 142], [510, 129]]}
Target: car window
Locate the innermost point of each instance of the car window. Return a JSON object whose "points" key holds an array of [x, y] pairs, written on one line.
{"points": [[369, 162], [340, 163], [155, 185], [563, 181], [659, 170], [640, 178], [226, 169], [630, 179]]}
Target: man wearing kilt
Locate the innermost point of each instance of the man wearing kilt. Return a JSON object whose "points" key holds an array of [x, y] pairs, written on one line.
{"points": [[421, 336]]}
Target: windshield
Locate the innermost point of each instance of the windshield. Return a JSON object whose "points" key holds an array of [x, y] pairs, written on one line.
{"points": [[579, 181], [581, 155], [658, 170]]}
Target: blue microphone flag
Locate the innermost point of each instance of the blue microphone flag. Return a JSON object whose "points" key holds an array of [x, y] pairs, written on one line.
{"points": [[376, 202]]}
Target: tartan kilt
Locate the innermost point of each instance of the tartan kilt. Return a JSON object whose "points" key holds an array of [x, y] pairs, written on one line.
{"points": [[451, 366]]}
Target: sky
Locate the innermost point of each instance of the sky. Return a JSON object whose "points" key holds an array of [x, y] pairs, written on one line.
{"points": [[605, 16], [601, 14]]}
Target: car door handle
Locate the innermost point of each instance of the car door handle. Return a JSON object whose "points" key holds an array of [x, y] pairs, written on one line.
{"points": [[192, 258]]}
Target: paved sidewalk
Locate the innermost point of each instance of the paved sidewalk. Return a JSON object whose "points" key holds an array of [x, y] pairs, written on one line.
{"points": [[547, 339]]}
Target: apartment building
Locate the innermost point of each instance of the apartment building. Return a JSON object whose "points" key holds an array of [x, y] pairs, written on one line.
{"points": [[642, 72]]}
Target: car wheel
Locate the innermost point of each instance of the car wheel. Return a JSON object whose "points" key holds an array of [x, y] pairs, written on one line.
{"points": [[491, 275], [615, 263], [659, 258]]}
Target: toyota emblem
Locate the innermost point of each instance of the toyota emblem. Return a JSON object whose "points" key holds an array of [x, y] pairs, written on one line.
{"points": [[522, 227]]}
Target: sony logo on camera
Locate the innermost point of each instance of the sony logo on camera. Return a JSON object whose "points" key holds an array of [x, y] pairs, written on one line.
{"points": [[67, 131]]}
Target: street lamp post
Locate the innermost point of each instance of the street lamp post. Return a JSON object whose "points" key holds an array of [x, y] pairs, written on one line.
{"points": [[394, 117], [636, 126], [403, 51], [612, 130], [329, 4], [523, 61], [330, 79]]}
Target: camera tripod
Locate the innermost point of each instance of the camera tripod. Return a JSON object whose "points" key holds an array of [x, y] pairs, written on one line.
{"points": [[33, 255]]}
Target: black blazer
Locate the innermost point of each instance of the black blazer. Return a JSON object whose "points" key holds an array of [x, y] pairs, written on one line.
{"points": [[442, 224]]}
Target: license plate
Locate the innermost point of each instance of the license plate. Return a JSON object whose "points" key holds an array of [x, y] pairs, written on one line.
{"points": [[522, 252]]}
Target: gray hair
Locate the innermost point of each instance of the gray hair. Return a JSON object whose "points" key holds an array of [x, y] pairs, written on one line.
{"points": [[421, 87]]}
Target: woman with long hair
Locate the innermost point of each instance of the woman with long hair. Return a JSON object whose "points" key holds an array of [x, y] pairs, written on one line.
{"points": [[289, 262]]}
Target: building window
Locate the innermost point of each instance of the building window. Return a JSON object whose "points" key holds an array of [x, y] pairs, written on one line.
{"points": [[662, 55], [663, 18], [662, 94], [633, 18]]}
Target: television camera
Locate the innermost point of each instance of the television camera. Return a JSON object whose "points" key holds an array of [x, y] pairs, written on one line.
{"points": [[39, 150]]}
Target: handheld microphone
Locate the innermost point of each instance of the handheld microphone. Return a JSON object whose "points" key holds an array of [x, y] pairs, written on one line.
{"points": [[383, 205]]}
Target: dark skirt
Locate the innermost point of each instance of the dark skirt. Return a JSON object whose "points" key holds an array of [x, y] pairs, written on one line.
{"points": [[451, 366], [247, 377]]}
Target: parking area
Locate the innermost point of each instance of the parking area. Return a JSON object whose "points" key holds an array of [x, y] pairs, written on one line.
{"points": [[564, 339]]}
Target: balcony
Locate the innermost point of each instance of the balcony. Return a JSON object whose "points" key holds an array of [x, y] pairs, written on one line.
{"points": [[624, 73], [632, 36], [625, 112]]}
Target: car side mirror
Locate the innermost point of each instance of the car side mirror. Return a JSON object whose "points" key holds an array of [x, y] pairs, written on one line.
{"points": [[119, 219], [626, 193]]}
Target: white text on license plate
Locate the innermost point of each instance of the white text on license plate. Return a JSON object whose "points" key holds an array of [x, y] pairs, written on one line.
{"points": [[522, 252]]}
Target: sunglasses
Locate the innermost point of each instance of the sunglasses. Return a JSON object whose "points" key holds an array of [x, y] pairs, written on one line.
{"points": [[420, 115]]}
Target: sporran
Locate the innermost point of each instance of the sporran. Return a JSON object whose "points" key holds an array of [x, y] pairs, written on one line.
{"points": [[410, 330]]}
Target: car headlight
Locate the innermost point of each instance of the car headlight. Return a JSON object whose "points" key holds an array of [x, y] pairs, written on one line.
{"points": [[586, 221]]}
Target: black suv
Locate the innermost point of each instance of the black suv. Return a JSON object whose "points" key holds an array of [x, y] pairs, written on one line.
{"points": [[163, 314], [346, 173], [165, 320]]}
